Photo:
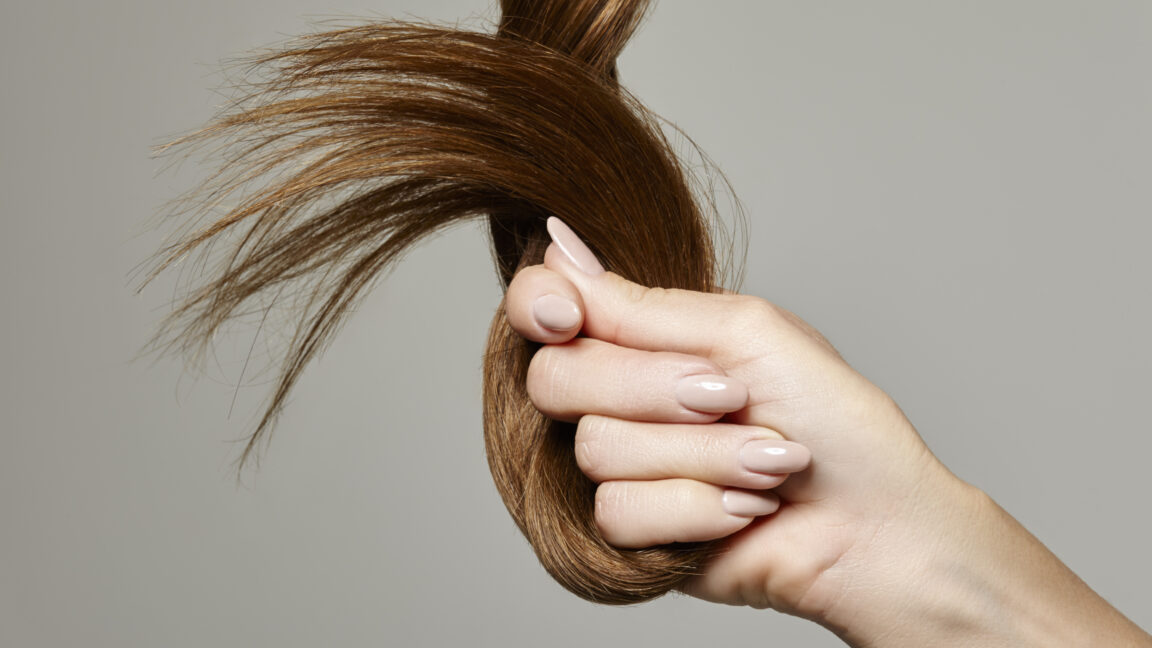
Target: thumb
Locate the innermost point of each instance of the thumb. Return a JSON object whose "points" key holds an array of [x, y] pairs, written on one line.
{"points": [[721, 327]]}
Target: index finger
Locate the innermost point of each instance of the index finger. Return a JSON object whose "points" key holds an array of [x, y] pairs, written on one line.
{"points": [[726, 328], [543, 306]]}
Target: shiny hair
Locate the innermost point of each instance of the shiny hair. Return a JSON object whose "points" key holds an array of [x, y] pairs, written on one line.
{"points": [[355, 144]]}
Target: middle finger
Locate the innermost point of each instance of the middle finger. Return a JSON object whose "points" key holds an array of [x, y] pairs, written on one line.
{"points": [[588, 376]]}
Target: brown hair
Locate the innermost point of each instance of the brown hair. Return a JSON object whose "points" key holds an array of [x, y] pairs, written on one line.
{"points": [[363, 140]]}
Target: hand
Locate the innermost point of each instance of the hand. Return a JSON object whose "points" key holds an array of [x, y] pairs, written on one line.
{"points": [[639, 342], [877, 540]]}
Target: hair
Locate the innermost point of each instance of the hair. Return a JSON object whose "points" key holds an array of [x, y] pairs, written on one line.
{"points": [[359, 142]]}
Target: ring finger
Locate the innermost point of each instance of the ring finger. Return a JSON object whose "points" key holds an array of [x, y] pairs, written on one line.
{"points": [[725, 454]]}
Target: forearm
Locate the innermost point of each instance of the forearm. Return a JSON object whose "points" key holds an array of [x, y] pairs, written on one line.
{"points": [[876, 540], [978, 579]]}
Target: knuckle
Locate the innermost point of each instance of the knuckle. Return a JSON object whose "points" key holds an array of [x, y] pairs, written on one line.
{"points": [[638, 299], [546, 376], [614, 501], [680, 496], [639, 294], [754, 312], [747, 319], [652, 295], [593, 441], [710, 446]]}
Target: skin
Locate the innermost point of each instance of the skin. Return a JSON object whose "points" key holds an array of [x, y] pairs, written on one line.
{"points": [[876, 540]]}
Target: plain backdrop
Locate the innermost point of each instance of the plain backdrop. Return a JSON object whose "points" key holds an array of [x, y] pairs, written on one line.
{"points": [[956, 193]]}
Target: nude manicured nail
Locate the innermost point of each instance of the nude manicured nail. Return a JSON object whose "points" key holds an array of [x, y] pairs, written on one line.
{"points": [[556, 313], [749, 504], [573, 247], [774, 456], [711, 393]]}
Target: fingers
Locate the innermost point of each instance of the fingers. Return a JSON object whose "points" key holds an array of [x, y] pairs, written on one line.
{"points": [[636, 514], [717, 325], [543, 306], [571, 293], [751, 457], [586, 376]]}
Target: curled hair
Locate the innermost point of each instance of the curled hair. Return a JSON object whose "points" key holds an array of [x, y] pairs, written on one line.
{"points": [[412, 128]]}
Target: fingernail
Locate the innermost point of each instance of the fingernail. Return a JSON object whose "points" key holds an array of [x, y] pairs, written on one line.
{"points": [[774, 456], [711, 393], [748, 503], [573, 247], [556, 313]]}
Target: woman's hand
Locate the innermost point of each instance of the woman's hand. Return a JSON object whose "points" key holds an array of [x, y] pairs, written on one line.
{"points": [[876, 540], [625, 373]]}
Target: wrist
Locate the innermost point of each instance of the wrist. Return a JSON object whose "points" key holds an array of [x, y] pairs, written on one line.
{"points": [[957, 570]]}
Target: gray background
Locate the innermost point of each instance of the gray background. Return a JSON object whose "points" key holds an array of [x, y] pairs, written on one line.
{"points": [[957, 194]]}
